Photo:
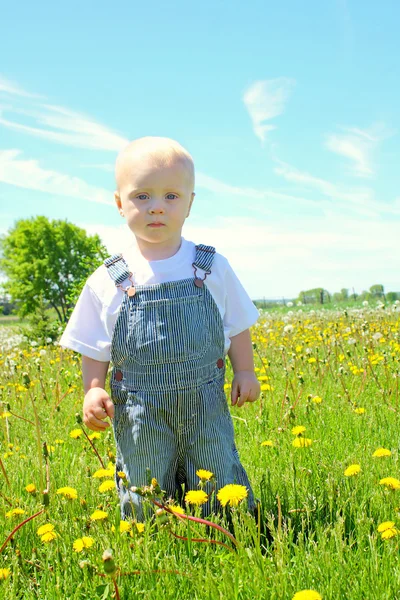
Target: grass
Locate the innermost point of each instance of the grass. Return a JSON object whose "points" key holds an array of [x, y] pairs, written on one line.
{"points": [[319, 528]]}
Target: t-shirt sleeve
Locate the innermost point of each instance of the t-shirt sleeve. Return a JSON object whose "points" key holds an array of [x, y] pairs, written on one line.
{"points": [[240, 311], [86, 331]]}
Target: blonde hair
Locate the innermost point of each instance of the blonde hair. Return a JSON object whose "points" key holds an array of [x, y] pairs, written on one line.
{"points": [[163, 151]]}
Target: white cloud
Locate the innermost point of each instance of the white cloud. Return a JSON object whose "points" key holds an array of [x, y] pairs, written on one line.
{"points": [[9, 87], [29, 174], [358, 145], [265, 100]]}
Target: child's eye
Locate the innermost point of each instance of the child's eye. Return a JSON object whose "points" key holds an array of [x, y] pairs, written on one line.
{"points": [[142, 196], [171, 195]]}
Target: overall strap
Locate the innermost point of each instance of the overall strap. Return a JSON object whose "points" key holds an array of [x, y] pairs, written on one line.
{"points": [[204, 257], [203, 260], [117, 268]]}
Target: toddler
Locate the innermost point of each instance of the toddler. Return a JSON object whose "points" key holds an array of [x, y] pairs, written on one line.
{"points": [[165, 312]]}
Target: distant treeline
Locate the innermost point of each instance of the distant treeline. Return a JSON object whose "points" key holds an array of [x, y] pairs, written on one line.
{"points": [[322, 296]]}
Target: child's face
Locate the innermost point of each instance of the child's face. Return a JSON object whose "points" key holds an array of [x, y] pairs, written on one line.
{"points": [[149, 193]]}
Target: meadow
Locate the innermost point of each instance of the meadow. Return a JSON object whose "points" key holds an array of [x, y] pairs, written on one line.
{"points": [[320, 447]]}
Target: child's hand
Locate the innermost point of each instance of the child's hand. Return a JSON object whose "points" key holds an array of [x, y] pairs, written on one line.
{"points": [[97, 406], [245, 388]]}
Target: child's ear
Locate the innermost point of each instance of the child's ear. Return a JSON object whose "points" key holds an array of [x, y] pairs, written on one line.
{"points": [[118, 202], [190, 205]]}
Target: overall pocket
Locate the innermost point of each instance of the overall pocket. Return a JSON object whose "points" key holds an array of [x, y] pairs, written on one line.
{"points": [[168, 331]]}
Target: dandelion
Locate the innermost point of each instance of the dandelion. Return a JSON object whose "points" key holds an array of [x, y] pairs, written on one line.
{"points": [[103, 473], [307, 595], [5, 415], [94, 436], [352, 470], [391, 483], [317, 399], [98, 515], [176, 509], [107, 485], [140, 527], [83, 543], [385, 525], [49, 536], [45, 529], [121, 474], [68, 492], [312, 360], [204, 474], [31, 488], [359, 411], [197, 497], [15, 512], [381, 452], [298, 430], [75, 433], [59, 441], [267, 443], [4, 574], [124, 526], [232, 494], [389, 533], [300, 442]]}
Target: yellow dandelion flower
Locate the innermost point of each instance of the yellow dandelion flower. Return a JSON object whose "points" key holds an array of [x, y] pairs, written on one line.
{"points": [[4, 574], [49, 536], [298, 430], [352, 470], [196, 497], [359, 411], [380, 452], [316, 399], [31, 488], [103, 473], [75, 433], [45, 529], [204, 474], [68, 492], [59, 442], [140, 527], [14, 512], [107, 485], [385, 525], [176, 509], [389, 533], [268, 443], [391, 483], [98, 515], [124, 526], [307, 595], [83, 543], [94, 436], [121, 474], [5, 415], [312, 360], [265, 387], [300, 442], [232, 494]]}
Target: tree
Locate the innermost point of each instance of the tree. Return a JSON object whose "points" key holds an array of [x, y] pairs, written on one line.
{"points": [[48, 261]]}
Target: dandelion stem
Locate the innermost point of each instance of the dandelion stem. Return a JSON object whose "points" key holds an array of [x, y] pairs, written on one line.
{"points": [[197, 520], [182, 537], [94, 448], [22, 418], [5, 473], [19, 526]]}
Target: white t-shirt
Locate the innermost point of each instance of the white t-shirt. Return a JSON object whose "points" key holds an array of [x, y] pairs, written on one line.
{"points": [[91, 325]]}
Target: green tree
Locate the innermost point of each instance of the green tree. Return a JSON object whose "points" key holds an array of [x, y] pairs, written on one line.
{"points": [[48, 261]]}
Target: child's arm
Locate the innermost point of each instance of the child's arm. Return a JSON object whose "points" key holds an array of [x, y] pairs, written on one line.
{"points": [[245, 383], [97, 404]]}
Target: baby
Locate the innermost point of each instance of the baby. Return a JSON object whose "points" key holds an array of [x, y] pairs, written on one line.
{"points": [[165, 313]]}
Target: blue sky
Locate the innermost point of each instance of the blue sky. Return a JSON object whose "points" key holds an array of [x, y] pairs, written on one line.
{"points": [[290, 111]]}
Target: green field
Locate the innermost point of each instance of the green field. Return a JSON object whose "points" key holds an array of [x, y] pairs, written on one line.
{"points": [[334, 373]]}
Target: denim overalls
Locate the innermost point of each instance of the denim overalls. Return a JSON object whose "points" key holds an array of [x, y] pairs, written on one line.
{"points": [[167, 385]]}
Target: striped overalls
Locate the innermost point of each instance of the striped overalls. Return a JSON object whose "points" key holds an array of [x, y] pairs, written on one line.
{"points": [[167, 385]]}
